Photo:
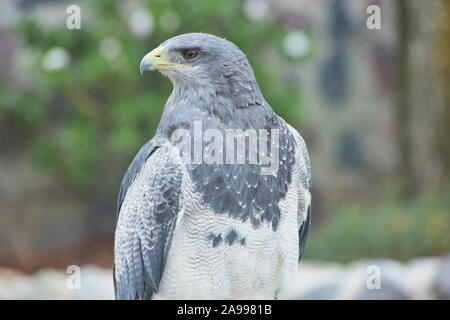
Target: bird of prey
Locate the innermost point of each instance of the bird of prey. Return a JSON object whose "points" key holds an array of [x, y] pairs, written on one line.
{"points": [[196, 227]]}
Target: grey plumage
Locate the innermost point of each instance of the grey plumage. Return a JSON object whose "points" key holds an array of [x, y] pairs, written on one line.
{"points": [[134, 168], [219, 89], [303, 232], [149, 226]]}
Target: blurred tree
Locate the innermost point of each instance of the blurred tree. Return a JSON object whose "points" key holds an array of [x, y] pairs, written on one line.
{"points": [[442, 65], [403, 86], [386, 228]]}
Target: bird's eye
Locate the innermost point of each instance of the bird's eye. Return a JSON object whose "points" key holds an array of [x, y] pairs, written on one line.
{"points": [[190, 54]]}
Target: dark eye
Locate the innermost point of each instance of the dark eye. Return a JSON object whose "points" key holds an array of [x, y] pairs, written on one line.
{"points": [[190, 54]]}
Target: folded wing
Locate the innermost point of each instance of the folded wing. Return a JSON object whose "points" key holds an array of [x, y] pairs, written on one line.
{"points": [[149, 202]]}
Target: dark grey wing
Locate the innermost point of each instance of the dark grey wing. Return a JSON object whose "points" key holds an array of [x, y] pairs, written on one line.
{"points": [[305, 195], [303, 165], [147, 216], [135, 167], [305, 205], [303, 232]]}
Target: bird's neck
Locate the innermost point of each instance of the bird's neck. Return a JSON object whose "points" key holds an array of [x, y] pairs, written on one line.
{"points": [[185, 107]]}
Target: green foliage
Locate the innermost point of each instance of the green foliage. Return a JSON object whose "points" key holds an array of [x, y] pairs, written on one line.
{"points": [[391, 229], [97, 106]]}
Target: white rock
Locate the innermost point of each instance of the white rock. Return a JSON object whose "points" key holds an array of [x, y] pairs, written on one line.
{"points": [[419, 275], [313, 276], [96, 283]]}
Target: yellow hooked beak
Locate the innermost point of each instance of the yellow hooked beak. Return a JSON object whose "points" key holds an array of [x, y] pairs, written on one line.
{"points": [[156, 60]]}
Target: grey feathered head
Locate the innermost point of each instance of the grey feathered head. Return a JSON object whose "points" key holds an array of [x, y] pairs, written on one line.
{"points": [[199, 60]]}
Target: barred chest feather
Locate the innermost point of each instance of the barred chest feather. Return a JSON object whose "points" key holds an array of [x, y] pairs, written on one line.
{"points": [[220, 256]]}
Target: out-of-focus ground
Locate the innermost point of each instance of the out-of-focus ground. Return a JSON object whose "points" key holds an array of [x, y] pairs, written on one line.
{"points": [[422, 278]]}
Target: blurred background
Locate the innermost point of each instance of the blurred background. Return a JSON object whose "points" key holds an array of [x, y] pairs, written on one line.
{"points": [[372, 105]]}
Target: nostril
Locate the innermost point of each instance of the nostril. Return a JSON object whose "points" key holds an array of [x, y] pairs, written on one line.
{"points": [[157, 56]]}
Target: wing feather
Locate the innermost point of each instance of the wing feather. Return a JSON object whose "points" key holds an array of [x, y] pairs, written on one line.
{"points": [[304, 187], [147, 214], [135, 167]]}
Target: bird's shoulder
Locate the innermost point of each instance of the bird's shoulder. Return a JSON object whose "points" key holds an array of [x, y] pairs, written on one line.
{"points": [[136, 166], [302, 156]]}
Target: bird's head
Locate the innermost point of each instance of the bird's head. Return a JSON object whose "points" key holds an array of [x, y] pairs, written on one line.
{"points": [[200, 59]]}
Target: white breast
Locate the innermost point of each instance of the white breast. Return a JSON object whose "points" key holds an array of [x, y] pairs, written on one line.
{"points": [[257, 270]]}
